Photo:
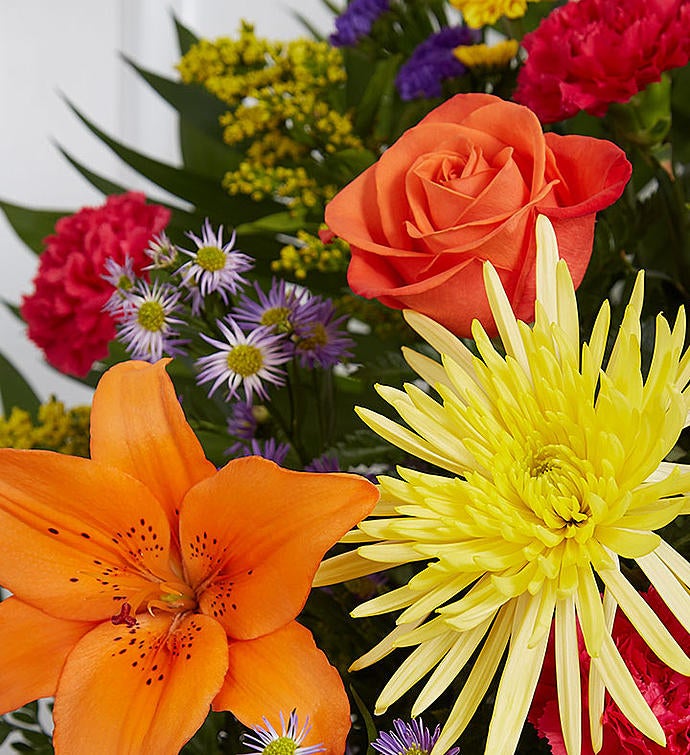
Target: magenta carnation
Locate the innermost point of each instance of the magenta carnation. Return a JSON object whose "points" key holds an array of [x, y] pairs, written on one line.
{"points": [[65, 314], [588, 54], [666, 691]]}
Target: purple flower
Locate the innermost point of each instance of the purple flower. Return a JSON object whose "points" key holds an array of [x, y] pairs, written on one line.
{"points": [[214, 266], [323, 463], [408, 738], [356, 21], [319, 337], [275, 310], [243, 360], [242, 425], [148, 322], [432, 62], [270, 449]]}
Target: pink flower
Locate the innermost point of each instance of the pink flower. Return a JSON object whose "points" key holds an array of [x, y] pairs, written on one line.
{"points": [[666, 691], [65, 314], [588, 54]]}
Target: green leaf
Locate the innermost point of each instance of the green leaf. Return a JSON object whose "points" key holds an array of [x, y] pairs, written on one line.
{"points": [[15, 390], [278, 222], [32, 226], [104, 185], [200, 191], [372, 732], [191, 101], [205, 155], [185, 37]]}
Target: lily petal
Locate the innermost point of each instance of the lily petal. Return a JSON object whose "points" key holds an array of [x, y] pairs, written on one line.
{"points": [[67, 548], [138, 426], [145, 689], [283, 671], [253, 536], [33, 648]]}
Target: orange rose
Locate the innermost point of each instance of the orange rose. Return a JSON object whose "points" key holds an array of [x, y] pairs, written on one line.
{"points": [[463, 186]]}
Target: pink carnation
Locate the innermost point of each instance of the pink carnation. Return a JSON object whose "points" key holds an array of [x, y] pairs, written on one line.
{"points": [[65, 314], [590, 53], [666, 691]]}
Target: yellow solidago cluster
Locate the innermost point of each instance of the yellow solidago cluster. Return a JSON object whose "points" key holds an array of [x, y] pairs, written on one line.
{"points": [[57, 429], [478, 13], [279, 97], [487, 57], [312, 254]]}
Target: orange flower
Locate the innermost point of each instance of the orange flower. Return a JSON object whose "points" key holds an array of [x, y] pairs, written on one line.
{"points": [[147, 585]]}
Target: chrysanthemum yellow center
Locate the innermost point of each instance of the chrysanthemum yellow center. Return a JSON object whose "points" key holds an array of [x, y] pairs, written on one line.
{"points": [[245, 360], [280, 746], [553, 487], [151, 316], [124, 283], [278, 317], [415, 750], [210, 258]]}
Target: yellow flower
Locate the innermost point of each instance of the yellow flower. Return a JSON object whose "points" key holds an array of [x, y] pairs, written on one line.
{"points": [[557, 472], [487, 56], [478, 13]]}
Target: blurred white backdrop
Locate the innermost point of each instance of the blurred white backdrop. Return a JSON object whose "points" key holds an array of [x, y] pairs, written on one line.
{"points": [[72, 48]]}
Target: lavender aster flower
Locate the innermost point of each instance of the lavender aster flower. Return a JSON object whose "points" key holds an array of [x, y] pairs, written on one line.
{"points": [[356, 21], [270, 449], [243, 360], [162, 252], [214, 266], [147, 328], [324, 463], [432, 62], [276, 309], [266, 739], [408, 739], [122, 277], [319, 336]]}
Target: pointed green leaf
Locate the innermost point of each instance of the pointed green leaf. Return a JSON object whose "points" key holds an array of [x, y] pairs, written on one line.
{"points": [[205, 155], [32, 226], [191, 101], [15, 390], [185, 37], [200, 191]]}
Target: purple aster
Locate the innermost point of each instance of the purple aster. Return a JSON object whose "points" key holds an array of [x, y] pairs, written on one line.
{"points": [[122, 278], [242, 425], [147, 326], [356, 20], [319, 336], [276, 309], [432, 62], [323, 463], [408, 739], [214, 266], [162, 252], [266, 739], [270, 449], [243, 360]]}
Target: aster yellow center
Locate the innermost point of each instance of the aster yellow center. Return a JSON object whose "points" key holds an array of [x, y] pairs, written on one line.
{"points": [[318, 337], [210, 258], [279, 317], [245, 360], [151, 316], [280, 746]]}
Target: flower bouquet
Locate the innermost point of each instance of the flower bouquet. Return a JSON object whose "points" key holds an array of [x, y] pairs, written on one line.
{"points": [[473, 216]]}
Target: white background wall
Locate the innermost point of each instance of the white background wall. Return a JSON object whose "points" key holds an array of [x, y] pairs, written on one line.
{"points": [[72, 46]]}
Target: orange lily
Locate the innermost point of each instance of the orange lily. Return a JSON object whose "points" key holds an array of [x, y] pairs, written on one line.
{"points": [[147, 585]]}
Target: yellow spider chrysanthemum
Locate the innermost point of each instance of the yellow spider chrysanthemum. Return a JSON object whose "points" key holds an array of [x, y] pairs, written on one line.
{"points": [[558, 473]]}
